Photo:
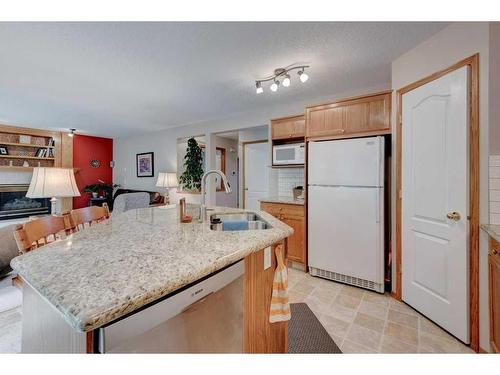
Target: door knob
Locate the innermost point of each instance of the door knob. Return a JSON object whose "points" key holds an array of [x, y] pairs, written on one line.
{"points": [[453, 216]]}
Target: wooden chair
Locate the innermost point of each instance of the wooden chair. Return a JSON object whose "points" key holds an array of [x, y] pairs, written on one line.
{"points": [[39, 232], [88, 215]]}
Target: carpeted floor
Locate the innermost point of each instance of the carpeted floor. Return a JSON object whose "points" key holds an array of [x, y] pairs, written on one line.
{"points": [[306, 334]]}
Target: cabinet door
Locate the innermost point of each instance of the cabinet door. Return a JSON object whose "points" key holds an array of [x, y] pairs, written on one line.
{"points": [[325, 121], [293, 127], [356, 117], [296, 244], [380, 113], [494, 290]]}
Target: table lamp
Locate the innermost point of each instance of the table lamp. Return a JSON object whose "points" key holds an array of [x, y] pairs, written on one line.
{"points": [[51, 183], [167, 180]]}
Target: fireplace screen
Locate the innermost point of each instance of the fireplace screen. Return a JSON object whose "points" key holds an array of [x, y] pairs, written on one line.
{"points": [[14, 204]]}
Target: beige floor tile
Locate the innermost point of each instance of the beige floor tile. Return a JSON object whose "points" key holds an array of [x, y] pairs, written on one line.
{"points": [[316, 305], [352, 291], [296, 297], [370, 322], [403, 333], [434, 344], [402, 307], [347, 301], [340, 312], [364, 336], [393, 345], [349, 347], [426, 326], [325, 294], [373, 297], [334, 326], [374, 309], [403, 319], [303, 287]]}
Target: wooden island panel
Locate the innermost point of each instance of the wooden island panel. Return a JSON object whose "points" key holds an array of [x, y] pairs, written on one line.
{"points": [[260, 336]]}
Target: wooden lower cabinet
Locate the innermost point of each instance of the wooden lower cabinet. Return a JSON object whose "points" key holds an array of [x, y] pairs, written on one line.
{"points": [[494, 290], [294, 216]]}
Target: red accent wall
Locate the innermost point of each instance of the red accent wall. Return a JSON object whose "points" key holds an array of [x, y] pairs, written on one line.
{"points": [[85, 149]]}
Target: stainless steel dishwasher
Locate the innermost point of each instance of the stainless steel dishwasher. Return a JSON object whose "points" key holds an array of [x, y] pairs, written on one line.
{"points": [[206, 317]]}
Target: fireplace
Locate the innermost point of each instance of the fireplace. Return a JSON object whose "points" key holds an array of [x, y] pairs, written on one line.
{"points": [[14, 204]]}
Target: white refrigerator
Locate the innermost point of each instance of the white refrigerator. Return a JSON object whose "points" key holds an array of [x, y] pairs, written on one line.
{"points": [[346, 211]]}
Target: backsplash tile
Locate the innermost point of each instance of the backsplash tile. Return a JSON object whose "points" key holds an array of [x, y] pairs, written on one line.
{"points": [[288, 178], [494, 172]]}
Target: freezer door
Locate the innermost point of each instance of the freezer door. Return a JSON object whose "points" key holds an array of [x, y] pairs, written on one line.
{"points": [[349, 162], [345, 231]]}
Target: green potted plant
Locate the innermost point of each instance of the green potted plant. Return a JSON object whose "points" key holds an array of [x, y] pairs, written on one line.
{"points": [[100, 188], [190, 179]]}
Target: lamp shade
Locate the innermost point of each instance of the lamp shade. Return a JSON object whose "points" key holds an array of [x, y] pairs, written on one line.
{"points": [[52, 182], [167, 179]]}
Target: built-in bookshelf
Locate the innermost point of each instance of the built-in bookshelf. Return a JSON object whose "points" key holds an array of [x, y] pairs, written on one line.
{"points": [[27, 148], [22, 149]]}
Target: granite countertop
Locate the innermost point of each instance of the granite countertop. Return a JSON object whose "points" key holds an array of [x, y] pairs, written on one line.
{"points": [[492, 230], [108, 270], [283, 200]]}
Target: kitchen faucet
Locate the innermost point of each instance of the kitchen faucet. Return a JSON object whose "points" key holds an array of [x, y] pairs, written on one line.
{"points": [[227, 187]]}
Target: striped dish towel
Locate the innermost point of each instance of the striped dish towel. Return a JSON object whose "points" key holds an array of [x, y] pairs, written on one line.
{"points": [[280, 306]]}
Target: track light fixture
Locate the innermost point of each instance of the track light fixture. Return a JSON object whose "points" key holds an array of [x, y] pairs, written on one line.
{"points": [[282, 73], [71, 132]]}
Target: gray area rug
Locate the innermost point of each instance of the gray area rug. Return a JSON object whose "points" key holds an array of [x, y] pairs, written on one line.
{"points": [[306, 334]]}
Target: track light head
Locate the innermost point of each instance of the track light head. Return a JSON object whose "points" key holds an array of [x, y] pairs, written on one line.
{"points": [[286, 81], [275, 85], [71, 132], [258, 88], [303, 76]]}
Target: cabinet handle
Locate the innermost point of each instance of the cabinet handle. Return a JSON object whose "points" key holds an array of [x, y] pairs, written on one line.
{"points": [[341, 131], [494, 252]]}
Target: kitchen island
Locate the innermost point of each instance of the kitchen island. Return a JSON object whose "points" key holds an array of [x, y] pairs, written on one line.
{"points": [[97, 277]]}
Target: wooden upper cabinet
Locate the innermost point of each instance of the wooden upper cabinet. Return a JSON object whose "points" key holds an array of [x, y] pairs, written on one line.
{"points": [[288, 127], [367, 114], [324, 121]]}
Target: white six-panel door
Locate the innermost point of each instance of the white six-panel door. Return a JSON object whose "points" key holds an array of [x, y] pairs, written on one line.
{"points": [[435, 246]]}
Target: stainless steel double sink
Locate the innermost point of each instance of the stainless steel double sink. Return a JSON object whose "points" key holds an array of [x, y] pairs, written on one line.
{"points": [[255, 221]]}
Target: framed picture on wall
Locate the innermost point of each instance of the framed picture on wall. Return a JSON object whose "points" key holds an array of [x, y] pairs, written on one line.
{"points": [[145, 164]]}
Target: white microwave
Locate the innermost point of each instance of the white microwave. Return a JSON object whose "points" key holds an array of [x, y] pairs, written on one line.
{"points": [[292, 153]]}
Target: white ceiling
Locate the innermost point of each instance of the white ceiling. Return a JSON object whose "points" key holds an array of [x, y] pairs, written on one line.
{"points": [[117, 79]]}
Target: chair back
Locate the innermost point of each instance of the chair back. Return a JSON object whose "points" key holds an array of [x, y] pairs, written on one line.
{"points": [[40, 232], [89, 215], [130, 201]]}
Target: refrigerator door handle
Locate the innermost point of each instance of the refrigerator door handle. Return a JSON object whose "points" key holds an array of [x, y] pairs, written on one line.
{"points": [[377, 208]]}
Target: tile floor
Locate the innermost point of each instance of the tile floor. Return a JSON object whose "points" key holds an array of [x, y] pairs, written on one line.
{"points": [[361, 321]]}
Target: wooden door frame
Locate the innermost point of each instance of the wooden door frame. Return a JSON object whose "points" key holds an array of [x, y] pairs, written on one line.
{"points": [[243, 144], [473, 63]]}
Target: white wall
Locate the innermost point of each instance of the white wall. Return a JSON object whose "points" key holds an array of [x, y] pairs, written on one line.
{"points": [[452, 44], [494, 87]]}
